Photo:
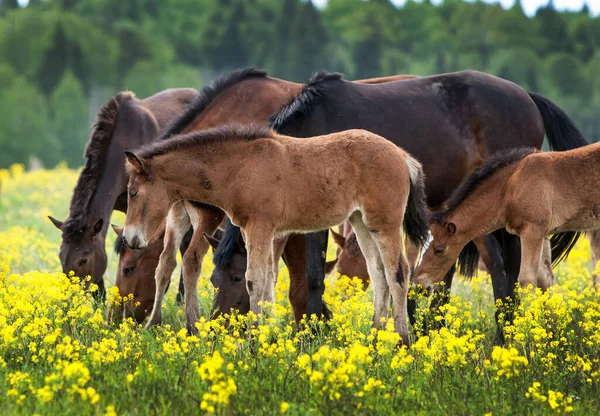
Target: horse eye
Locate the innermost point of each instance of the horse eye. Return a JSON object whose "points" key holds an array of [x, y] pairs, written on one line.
{"points": [[128, 270], [237, 279], [133, 193], [439, 250]]}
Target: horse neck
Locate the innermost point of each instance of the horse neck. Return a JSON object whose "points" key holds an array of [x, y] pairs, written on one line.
{"points": [[484, 210], [250, 101]]}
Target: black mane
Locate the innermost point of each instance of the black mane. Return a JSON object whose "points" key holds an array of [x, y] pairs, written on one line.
{"points": [[205, 96], [119, 244], [472, 182], [230, 243], [95, 153], [305, 101], [205, 137]]}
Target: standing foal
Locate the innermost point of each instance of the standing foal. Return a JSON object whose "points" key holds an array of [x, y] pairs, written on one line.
{"points": [[272, 185]]}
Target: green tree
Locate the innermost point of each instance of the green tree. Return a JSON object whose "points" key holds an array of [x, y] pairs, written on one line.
{"points": [[69, 118]]}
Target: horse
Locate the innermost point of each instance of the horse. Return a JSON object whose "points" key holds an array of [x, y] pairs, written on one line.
{"points": [[218, 103], [529, 193], [459, 118], [123, 122], [267, 184]]}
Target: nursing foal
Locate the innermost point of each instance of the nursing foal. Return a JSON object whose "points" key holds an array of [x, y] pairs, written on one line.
{"points": [[529, 193], [272, 185]]}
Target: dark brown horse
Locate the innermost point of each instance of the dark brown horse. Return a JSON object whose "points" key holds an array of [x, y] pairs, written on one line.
{"points": [[451, 122], [123, 122]]}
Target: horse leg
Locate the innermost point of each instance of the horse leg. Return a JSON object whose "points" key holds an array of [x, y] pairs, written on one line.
{"points": [[259, 274], [185, 243], [203, 221], [397, 275], [511, 256], [545, 276], [316, 250], [294, 256], [178, 223], [532, 244], [375, 267], [412, 255]]}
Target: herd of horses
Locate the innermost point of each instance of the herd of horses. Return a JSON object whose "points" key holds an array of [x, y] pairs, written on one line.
{"points": [[261, 168]]}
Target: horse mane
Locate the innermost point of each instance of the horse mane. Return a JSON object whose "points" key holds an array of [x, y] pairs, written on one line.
{"points": [[119, 244], [352, 246], [206, 95], [479, 176], [95, 153], [230, 243], [303, 104], [221, 134]]}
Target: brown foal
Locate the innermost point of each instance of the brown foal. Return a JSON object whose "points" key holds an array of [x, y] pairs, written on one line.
{"points": [[272, 185], [529, 193]]}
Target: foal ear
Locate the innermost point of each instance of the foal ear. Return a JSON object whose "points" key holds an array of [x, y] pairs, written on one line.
{"points": [[214, 243], [451, 228], [98, 226], [58, 224], [339, 239], [118, 230], [134, 161]]}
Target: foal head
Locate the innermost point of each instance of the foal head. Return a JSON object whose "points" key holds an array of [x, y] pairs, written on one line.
{"points": [[442, 253], [135, 276], [229, 274], [148, 203], [350, 261]]}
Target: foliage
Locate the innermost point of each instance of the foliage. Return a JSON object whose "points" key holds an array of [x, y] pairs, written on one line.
{"points": [[57, 355]]}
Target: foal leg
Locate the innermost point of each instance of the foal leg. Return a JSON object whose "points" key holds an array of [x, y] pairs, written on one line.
{"points": [[532, 244], [375, 266], [260, 281], [178, 223], [397, 276], [203, 220], [545, 277], [185, 243]]}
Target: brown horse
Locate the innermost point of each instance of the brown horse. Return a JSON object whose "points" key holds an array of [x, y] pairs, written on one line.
{"points": [[531, 194], [123, 122], [267, 185]]}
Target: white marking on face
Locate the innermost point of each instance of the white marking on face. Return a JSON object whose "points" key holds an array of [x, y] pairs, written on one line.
{"points": [[134, 237]]}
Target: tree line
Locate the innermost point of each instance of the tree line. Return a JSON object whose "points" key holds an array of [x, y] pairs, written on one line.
{"points": [[62, 59]]}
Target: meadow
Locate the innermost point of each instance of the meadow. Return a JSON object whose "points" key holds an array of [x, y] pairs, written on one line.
{"points": [[58, 356]]}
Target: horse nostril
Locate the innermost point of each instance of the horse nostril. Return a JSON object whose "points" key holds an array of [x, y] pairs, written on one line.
{"points": [[83, 261]]}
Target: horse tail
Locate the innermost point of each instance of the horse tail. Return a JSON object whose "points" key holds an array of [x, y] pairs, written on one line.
{"points": [[468, 260], [415, 217], [562, 244], [562, 134], [561, 131]]}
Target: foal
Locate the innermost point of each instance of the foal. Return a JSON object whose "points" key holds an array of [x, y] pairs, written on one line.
{"points": [[272, 185], [532, 195]]}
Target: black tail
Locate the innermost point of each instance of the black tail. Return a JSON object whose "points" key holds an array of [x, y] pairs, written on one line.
{"points": [[415, 217], [468, 260], [562, 134], [561, 244], [561, 131]]}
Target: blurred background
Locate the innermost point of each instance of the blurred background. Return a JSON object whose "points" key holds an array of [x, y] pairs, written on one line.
{"points": [[60, 60]]}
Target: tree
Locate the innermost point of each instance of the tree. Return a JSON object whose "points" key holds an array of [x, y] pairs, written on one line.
{"points": [[69, 118]]}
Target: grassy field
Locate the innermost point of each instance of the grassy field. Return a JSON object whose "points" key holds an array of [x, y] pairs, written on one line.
{"points": [[58, 356]]}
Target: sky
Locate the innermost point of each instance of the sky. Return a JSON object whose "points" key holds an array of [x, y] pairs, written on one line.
{"points": [[530, 6]]}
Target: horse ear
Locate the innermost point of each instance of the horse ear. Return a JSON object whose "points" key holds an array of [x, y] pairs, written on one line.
{"points": [[451, 228], [98, 226], [118, 230], [330, 265], [214, 243], [134, 161], [338, 238], [58, 224]]}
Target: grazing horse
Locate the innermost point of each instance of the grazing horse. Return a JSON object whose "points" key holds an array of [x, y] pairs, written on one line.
{"points": [[350, 260], [123, 122], [453, 123], [272, 185], [531, 194]]}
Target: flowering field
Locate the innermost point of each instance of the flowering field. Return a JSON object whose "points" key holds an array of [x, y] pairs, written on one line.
{"points": [[58, 356]]}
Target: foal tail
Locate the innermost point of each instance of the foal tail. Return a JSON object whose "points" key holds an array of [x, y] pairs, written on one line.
{"points": [[415, 217], [562, 134]]}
